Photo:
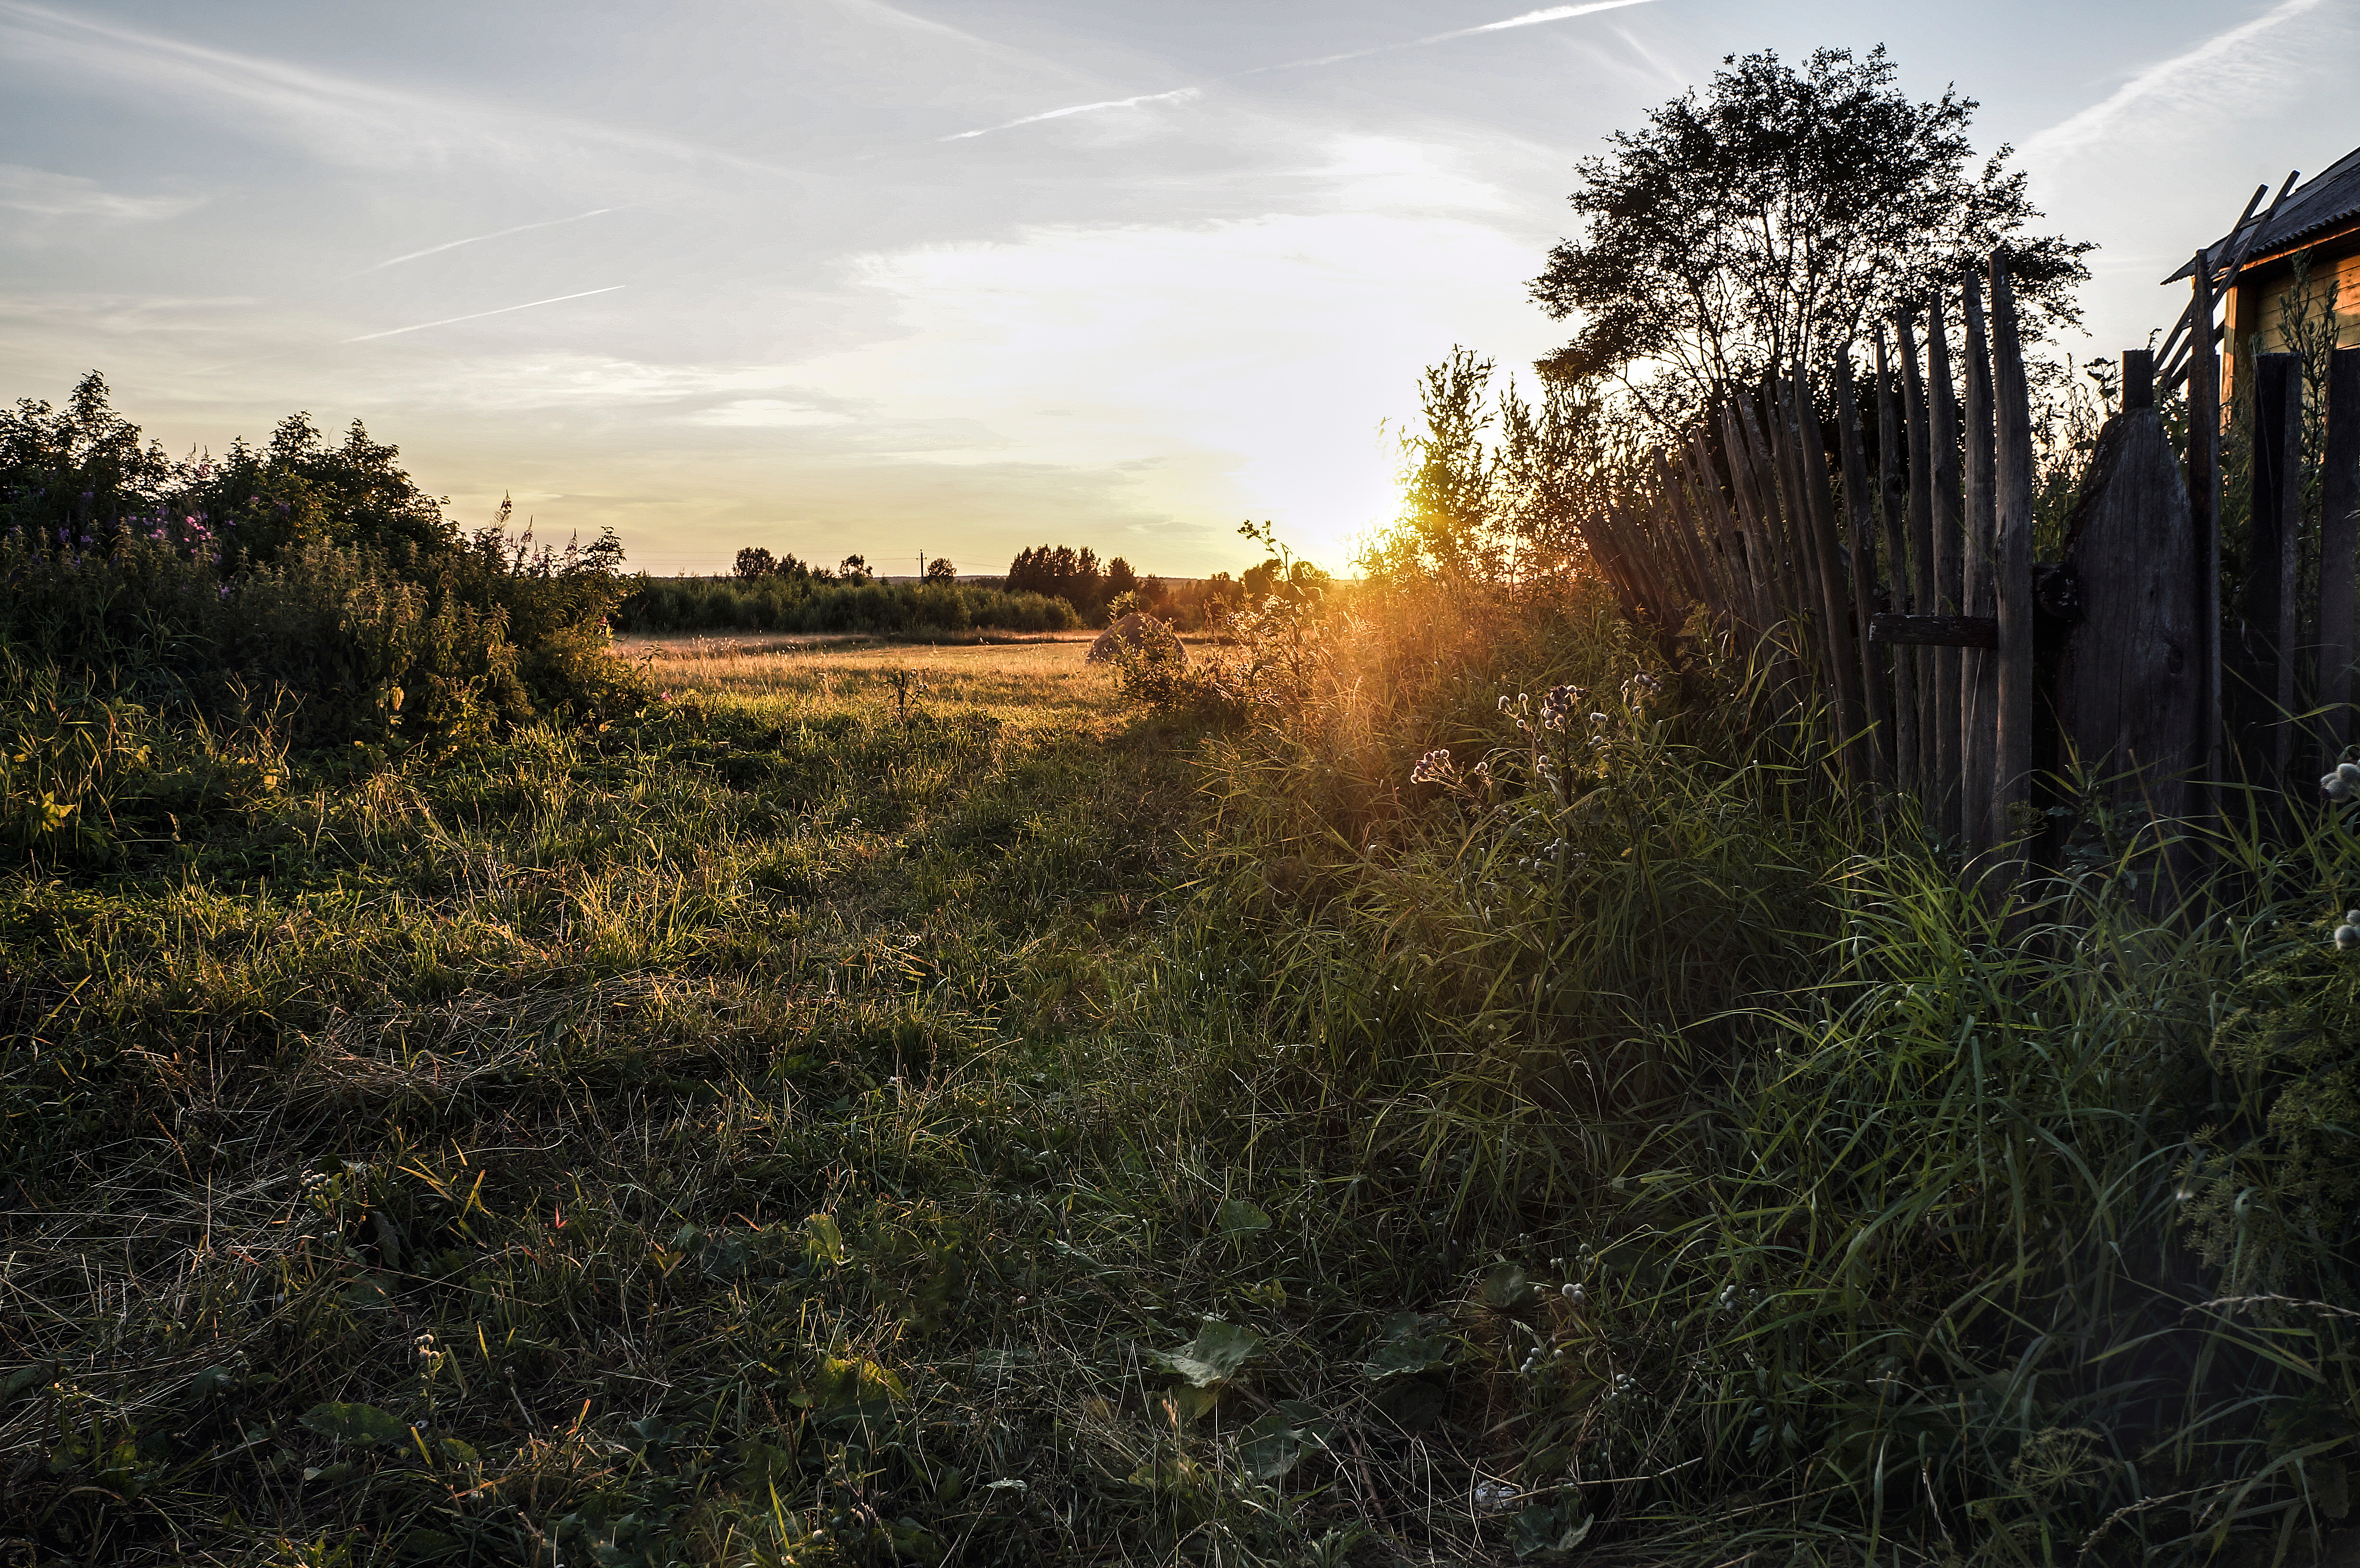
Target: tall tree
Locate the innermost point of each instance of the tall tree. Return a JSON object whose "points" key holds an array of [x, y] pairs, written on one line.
{"points": [[1773, 218]]}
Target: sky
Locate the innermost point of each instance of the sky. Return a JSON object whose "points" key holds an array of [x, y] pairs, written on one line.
{"points": [[959, 277]]}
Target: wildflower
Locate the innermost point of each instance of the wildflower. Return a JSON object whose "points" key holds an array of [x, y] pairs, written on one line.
{"points": [[1573, 1293], [1556, 707], [1436, 768], [2334, 786], [1495, 1497], [2346, 938]]}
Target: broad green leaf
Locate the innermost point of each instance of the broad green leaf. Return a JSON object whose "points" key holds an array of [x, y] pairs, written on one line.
{"points": [[1540, 1532], [1238, 1217], [1276, 1442], [1269, 1447], [1505, 1288], [1410, 1354], [356, 1423], [1218, 1350], [824, 1241]]}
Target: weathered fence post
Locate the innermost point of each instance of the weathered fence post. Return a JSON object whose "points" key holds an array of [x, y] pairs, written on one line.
{"points": [[2012, 496], [2130, 683], [1862, 504], [1979, 668], [2204, 510], [1893, 491], [1930, 781], [2339, 534], [2271, 557], [1942, 477]]}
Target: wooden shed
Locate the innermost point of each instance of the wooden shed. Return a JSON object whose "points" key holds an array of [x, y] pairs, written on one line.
{"points": [[2310, 234]]}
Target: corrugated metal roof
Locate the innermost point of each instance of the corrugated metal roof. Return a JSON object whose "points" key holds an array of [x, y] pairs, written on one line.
{"points": [[2321, 203]]}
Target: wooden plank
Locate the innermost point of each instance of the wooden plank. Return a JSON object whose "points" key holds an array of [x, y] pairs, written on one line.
{"points": [[1759, 410], [2271, 560], [2012, 577], [1936, 631], [1978, 670], [1942, 474], [1852, 711], [1931, 779], [1892, 500], [2128, 680], [2204, 519], [1785, 443], [1762, 480], [2339, 535], [1696, 465], [1875, 690]]}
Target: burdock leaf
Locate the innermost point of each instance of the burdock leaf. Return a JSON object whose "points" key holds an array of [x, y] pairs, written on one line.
{"points": [[1238, 1217], [356, 1423], [1409, 1354], [1218, 1350]]}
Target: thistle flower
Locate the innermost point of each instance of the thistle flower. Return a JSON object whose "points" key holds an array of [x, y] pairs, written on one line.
{"points": [[1436, 766], [2334, 786], [2346, 938]]}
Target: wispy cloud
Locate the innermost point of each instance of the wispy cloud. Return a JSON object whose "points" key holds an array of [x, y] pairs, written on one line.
{"points": [[494, 234], [479, 315], [1181, 95], [50, 195], [2224, 61], [338, 116]]}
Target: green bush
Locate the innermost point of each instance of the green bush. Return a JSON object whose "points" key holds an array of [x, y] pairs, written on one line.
{"points": [[316, 571]]}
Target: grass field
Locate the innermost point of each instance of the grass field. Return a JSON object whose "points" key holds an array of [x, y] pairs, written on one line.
{"points": [[640, 1145], [899, 1103]]}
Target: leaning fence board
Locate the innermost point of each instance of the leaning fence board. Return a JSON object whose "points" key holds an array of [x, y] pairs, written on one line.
{"points": [[1874, 688], [1921, 560], [1978, 671], [2339, 535], [2012, 508], [2128, 683], [1892, 500], [2272, 558], [1852, 710], [2205, 511], [1942, 476]]}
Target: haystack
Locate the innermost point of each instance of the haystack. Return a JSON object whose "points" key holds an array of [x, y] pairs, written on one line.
{"points": [[1140, 633]]}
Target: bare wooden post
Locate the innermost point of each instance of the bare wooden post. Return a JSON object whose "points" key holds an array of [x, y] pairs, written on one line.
{"points": [[1892, 492], [2339, 534], [2271, 556], [1811, 450], [2129, 682], [1930, 781], [2204, 511], [2012, 496], [1863, 507], [1942, 472], [1978, 670]]}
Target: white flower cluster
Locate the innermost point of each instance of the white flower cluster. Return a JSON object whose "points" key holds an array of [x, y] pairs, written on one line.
{"points": [[2348, 935], [2342, 784], [1434, 767], [1558, 706], [1495, 1497]]}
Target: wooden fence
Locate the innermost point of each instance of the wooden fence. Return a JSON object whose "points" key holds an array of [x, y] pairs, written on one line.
{"points": [[1892, 582]]}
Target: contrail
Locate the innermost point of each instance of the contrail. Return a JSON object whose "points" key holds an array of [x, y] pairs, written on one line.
{"points": [[1177, 95], [1180, 94], [479, 315], [2085, 126], [496, 233]]}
